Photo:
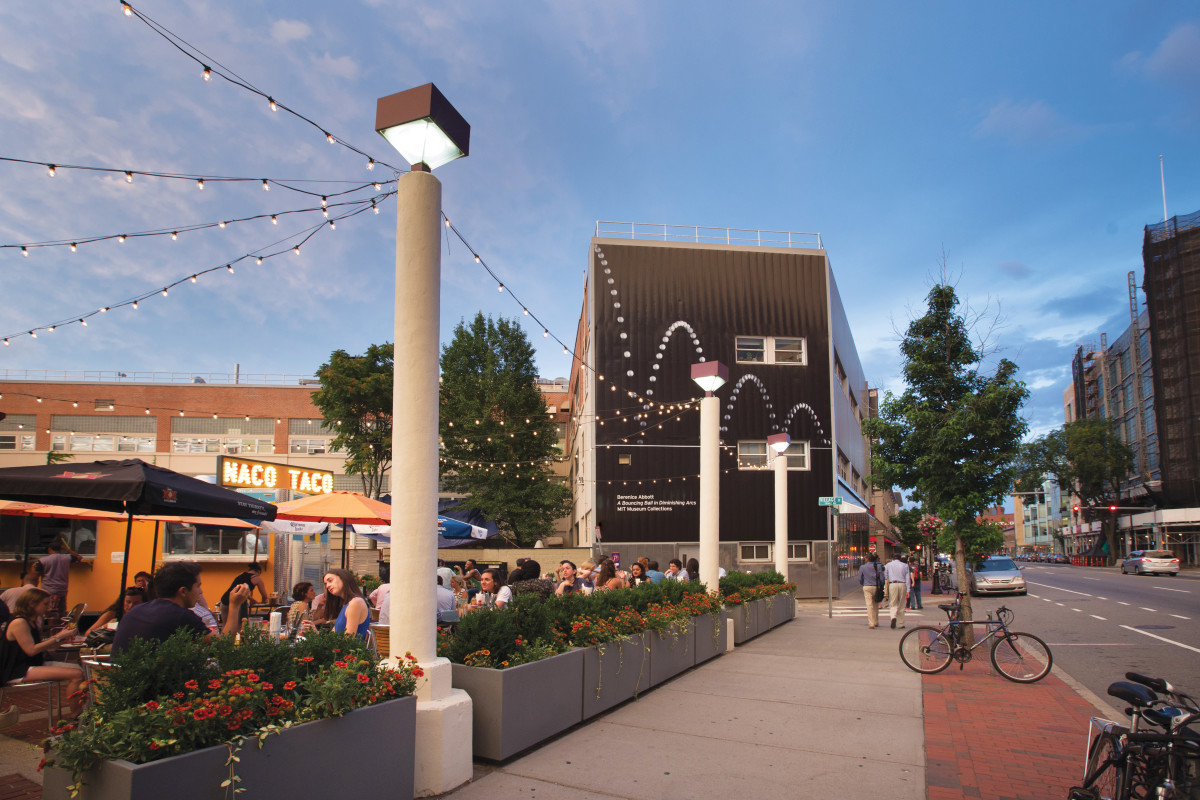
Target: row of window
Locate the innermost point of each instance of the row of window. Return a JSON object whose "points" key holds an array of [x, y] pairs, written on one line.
{"points": [[16, 441], [180, 539], [771, 350], [116, 443], [764, 551], [753, 454]]}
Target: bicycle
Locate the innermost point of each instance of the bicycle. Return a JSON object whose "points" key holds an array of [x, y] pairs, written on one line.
{"points": [[1125, 762], [1020, 657]]}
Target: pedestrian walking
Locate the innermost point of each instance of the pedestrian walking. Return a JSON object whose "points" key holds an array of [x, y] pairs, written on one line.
{"points": [[914, 599], [899, 582], [870, 578]]}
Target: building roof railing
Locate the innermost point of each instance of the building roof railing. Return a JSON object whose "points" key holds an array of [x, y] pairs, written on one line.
{"points": [[113, 376], [704, 235]]}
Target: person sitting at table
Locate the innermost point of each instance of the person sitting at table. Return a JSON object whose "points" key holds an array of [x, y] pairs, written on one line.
{"points": [[251, 578], [303, 595], [607, 577], [345, 604], [571, 581], [445, 600], [177, 584], [206, 615], [22, 649], [133, 596], [29, 580], [145, 581], [492, 591], [637, 574]]}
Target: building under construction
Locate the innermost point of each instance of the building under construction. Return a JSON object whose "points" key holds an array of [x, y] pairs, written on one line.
{"points": [[1171, 254]]}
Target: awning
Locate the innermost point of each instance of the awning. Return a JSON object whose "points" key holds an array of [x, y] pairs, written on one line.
{"points": [[851, 502]]}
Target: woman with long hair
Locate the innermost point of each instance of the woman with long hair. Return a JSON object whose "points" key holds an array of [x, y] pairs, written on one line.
{"points": [[345, 604], [637, 574], [22, 650], [133, 596], [693, 569], [608, 577], [303, 594]]}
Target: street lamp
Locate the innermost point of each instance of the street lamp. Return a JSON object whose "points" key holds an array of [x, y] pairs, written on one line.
{"points": [[710, 376], [428, 132], [779, 443]]}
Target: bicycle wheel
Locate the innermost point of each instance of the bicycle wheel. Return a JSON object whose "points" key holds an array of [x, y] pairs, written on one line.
{"points": [[1104, 775], [925, 649], [1021, 657]]}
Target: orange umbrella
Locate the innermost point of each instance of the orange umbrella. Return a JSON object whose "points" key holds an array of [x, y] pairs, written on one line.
{"points": [[344, 507]]}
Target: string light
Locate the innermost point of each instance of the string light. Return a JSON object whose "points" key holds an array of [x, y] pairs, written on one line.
{"points": [[274, 219], [164, 292], [50, 170], [266, 185], [271, 101], [135, 304], [73, 246], [121, 238], [126, 8], [128, 176], [193, 279], [25, 252], [371, 165], [200, 184], [329, 138], [174, 235], [207, 74], [221, 225], [259, 260], [83, 322], [230, 268]]}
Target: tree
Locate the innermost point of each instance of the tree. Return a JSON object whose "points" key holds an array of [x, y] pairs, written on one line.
{"points": [[1088, 456], [58, 457], [355, 400], [498, 440], [951, 437]]}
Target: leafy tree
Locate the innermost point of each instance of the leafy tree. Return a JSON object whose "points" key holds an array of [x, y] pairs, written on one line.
{"points": [[498, 440], [58, 457], [1088, 456], [951, 437], [355, 399]]}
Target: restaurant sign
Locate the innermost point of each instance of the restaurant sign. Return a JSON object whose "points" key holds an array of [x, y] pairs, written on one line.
{"points": [[244, 473]]}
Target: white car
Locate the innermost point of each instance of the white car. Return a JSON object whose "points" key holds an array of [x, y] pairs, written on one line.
{"points": [[1144, 562], [995, 575]]}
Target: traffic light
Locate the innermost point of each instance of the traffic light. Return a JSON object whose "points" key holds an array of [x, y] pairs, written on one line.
{"points": [[1074, 509], [1112, 509]]}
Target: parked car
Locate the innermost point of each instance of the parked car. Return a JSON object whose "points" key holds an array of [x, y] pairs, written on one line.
{"points": [[1059, 558], [1144, 562], [995, 575]]}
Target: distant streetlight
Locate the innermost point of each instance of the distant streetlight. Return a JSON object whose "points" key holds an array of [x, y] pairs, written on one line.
{"points": [[428, 132], [710, 376], [779, 443]]}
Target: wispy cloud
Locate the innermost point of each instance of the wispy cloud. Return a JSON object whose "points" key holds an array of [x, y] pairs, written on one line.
{"points": [[1021, 123], [1014, 269], [1177, 57], [290, 30]]}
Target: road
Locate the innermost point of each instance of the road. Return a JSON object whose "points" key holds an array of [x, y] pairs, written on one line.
{"points": [[1100, 623]]}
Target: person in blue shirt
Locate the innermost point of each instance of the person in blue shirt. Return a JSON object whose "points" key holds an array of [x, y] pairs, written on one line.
{"points": [[344, 602], [870, 575], [653, 573]]}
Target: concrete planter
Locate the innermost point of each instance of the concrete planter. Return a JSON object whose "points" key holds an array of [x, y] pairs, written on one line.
{"points": [[672, 650], [515, 708], [745, 621], [711, 634], [780, 608], [614, 672], [284, 767]]}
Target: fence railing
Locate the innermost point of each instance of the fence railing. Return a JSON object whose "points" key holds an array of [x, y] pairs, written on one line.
{"points": [[706, 235], [113, 376]]}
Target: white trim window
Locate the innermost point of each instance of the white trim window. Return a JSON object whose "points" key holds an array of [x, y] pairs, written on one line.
{"points": [[229, 445], [799, 551], [101, 443], [754, 454], [771, 350], [13, 441], [211, 540], [311, 447], [754, 551]]}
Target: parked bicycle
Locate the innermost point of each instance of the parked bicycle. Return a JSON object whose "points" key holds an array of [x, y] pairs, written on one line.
{"points": [[1020, 657], [1127, 761]]}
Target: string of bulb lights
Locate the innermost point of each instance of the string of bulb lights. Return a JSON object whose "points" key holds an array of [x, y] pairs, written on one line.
{"points": [[211, 67]]}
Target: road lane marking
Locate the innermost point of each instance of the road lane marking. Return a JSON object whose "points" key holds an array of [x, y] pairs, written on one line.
{"points": [[1080, 610], [1180, 616], [1165, 589], [1101, 598], [1058, 604], [1122, 602], [1102, 619], [1047, 599], [1056, 588], [1163, 639], [1151, 610]]}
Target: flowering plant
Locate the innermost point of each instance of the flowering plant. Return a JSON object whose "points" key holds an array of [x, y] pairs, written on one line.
{"points": [[930, 526]]}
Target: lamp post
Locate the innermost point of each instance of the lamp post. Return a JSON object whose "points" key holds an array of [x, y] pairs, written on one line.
{"points": [[428, 132], [779, 443], [710, 376]]}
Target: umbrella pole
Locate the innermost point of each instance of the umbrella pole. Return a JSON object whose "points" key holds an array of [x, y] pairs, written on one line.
{"points": [[343, 543], [128, 537], [154, 549]]}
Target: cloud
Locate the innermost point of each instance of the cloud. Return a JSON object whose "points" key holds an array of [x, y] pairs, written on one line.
{"points": [[1022, 123], [342, 66], [290, 30], [1178, 57], [1014, 269], [1070, 304]]}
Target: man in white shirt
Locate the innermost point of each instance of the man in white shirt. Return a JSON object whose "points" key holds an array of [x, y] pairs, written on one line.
{"points": [[899, 584], [445, 597], [675, 571]]}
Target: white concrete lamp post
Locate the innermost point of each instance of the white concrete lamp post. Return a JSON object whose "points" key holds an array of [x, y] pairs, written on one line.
{"points": [[710, 376], [428, 132], [779, 443]]}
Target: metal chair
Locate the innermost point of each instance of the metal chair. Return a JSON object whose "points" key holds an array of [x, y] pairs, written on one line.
{"points": [[94, 666], [53, 699]]}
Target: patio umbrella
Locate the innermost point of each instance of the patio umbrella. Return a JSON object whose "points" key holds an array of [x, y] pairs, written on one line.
{"points": [[451, 532], [131, 487], [347, 508]]}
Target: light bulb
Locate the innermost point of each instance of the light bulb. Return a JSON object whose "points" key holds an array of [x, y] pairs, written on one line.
{"points": [[50, 169], [221, 224], [164, 292], [500, 288], [25, 252], [477, 260], [147, 411], [181, 413], [332, 225], [193, 279], [545, 334], [121, 238], [214, 416], [51, 328], [73, 246], [128, 177], [135, 302], [296, 250], [379, 186], [375, 208], [200, 184], [271, 101], [274, 220], [230, 268], [83, 322], [259, 260], [370, 163], [324, 201], [447, 220], [103, 309], [6, 344], [266, 186], [325, 212], [329, 138], [207, 74], [526, 310], [126, 8]]}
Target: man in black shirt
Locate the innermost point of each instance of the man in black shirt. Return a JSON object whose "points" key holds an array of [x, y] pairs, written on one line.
{"points": [[177, 584]]}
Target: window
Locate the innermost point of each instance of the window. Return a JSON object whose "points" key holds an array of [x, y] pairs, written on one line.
{"points": [[308, 446], [187, 540], [13, 441], [771, 350], [752, 455], [755, 552], [233, 446], [101, 443], [797, 455], [41, 531], [624, 459], [799, 551], [103, 405]]}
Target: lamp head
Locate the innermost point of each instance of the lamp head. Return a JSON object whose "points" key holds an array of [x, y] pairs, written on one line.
{"points": [[779, 442], [710, 375], [423, 126]]}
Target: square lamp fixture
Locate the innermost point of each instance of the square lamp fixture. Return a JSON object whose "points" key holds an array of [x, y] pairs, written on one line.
{"points": [[423, 126], [710, 375], [779, 442]]}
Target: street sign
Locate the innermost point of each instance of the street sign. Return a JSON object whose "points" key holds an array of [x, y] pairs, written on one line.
{"points": [[829, 501], [1147, 524]]}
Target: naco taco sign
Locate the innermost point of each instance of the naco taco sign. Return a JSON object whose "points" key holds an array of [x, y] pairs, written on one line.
{"points": [[245, 473]]}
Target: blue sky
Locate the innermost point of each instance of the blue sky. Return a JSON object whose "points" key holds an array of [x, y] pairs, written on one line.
{"points": [[1022, 140]]}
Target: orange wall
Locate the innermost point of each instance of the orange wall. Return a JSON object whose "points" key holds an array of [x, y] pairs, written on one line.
{"points": [[97, 581]]}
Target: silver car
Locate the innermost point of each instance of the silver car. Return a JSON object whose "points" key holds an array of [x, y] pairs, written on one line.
{"points": [[995, 575], [1144, 562]]}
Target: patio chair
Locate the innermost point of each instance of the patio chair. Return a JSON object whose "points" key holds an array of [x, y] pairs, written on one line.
{"points": [[94, 666], [380, 637], [53, 699]]}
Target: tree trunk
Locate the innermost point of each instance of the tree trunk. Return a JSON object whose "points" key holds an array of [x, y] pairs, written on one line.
{"points": [[964, 586], [1109, 526]]}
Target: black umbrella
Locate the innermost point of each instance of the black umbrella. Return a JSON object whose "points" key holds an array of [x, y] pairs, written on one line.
{"points": [[132, 487]]}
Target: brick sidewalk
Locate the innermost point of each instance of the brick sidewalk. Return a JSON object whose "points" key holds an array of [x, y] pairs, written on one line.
{"points": [[15, 787], [990, 738]]}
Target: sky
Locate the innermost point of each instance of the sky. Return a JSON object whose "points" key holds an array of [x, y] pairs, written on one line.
{"points": [[1013, 149]]}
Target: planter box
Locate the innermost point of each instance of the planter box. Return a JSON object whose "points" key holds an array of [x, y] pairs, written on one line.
{"points": [[672, 651], [615, 672], [711, 635], [745, 621], [781, 608], [514, 709], [286, 766]]}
